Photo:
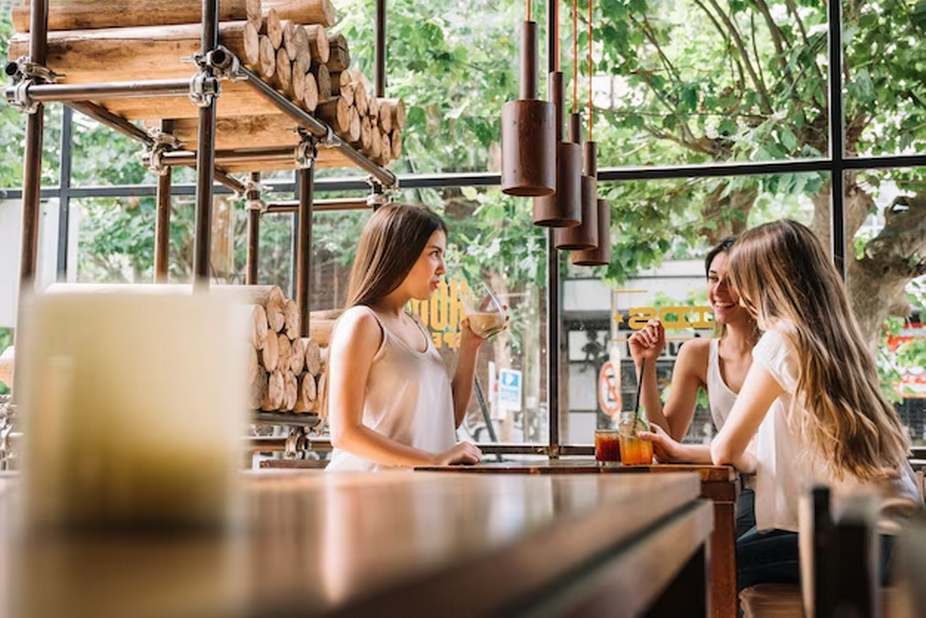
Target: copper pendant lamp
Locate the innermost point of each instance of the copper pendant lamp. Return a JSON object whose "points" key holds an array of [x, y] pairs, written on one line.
{"points": [[585, 237], [600, 256], [528, 132], [563, 208]]}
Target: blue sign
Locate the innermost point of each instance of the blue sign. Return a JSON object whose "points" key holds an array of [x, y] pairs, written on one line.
{"points": [[509, 388]]}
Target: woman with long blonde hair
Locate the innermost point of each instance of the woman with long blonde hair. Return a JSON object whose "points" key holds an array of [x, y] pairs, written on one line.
{"points": [[390, 402], [811, 398]]}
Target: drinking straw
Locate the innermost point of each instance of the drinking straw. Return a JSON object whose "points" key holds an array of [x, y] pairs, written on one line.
{"points": [[636, 406]]}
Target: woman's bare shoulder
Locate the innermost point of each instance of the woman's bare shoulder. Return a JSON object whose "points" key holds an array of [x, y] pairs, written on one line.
{"points": [[694, 355], [358, 323]]}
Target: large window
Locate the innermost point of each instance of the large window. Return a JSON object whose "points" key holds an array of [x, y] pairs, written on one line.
{"points": [[710, 117]]}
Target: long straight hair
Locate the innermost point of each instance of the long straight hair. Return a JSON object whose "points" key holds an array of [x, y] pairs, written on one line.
{"points": [[785, 279], [390, 244]]}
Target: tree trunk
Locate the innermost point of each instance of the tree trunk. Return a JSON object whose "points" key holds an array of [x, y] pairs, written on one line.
{"points": [[130, 54], [273, 27], [292, 319], [312, 355], [317, 38], [259, 327], [308, 393], [305, 11], [270, 353], [322, 81], [338, 53], [237, 99], [276, 387], [877, 282], [92, 14], [297, 361]]}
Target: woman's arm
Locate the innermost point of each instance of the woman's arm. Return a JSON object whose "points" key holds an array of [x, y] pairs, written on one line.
{"points": [[687, 378], [465, 374], [668, 450], [759, 391], [355, 342]]}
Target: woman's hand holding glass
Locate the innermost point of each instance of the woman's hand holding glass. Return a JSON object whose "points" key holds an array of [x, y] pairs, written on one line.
{"points": [[485, 314], [665, 448]]}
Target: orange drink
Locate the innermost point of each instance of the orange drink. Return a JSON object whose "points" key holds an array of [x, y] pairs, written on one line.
{"points": [[635, 450]]}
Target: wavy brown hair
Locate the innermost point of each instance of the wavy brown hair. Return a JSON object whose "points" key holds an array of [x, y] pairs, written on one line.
{"points": [[390, 244], [786, 280]]}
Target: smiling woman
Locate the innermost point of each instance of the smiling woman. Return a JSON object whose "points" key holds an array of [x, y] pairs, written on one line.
{"points": [[717, 365], [390, 402]]}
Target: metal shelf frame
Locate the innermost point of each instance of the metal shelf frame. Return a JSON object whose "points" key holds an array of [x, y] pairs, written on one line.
{"points": [[33, 86]]}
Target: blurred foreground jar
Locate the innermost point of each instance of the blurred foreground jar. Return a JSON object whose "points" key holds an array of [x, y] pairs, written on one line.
{"points": [[134, 407]]}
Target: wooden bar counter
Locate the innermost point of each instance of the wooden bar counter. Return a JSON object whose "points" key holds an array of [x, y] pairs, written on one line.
{"points": [[719, 484], [389, 544]]}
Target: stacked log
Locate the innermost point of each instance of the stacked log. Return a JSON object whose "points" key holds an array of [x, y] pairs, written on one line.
{"points": [[284, 42], [284, 368]]}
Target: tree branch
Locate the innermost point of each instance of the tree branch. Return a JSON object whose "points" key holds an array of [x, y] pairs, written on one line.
{"points": [[776, 35], [803, 31], [744, 53]]}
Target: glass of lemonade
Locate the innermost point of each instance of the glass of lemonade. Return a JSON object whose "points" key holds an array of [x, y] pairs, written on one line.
{"points": [[485, 312], [635, 450]]}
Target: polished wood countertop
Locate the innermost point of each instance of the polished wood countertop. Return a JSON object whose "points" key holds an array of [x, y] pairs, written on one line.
{"points": [[410, 544], [706, 472]]}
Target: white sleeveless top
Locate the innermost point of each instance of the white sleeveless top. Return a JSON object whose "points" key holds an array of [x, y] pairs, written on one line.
{"points": [[408, 399], [719, 395], [786, 467]]}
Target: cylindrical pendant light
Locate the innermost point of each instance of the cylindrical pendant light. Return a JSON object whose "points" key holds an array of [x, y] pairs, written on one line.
{"points": [[601, 253], [584, 235], [563, 208], [601, 256], [528, 132]]}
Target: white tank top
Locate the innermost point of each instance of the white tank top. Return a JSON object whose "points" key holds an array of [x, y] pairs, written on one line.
{"points": [[408, 399], [719, 395]]}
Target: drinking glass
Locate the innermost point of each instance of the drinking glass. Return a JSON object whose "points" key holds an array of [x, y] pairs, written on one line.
{"points": [[485, 312], [634, 449], [607, 447]]}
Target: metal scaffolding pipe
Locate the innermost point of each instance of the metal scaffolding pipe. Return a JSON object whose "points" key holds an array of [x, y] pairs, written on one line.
{"points": [[553, 279], [251, 261], [162, 223], [291, 206], [205, 159], [304, 251], [115, 90], [230, 157], [318, 129], [32, 172], [379, 60], [106, 117]]}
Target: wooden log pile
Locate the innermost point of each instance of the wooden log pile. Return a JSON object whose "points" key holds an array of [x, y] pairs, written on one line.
{"points": [[285, 42], [286, 371]]}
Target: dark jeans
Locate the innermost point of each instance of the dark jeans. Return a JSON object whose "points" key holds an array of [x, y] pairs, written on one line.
{"points": [[772, 557], [745, 512]]}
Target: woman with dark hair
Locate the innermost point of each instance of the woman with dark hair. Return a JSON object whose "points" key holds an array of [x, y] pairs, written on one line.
{"points": [[390, 402], [717, 365]]}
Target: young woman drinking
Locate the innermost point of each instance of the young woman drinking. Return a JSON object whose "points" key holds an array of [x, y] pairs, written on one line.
{"points": [[390, 401]]}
